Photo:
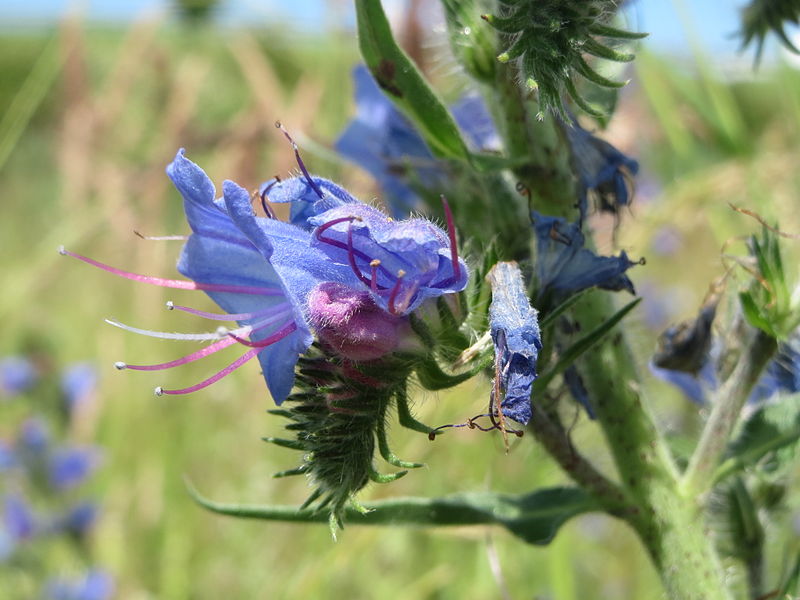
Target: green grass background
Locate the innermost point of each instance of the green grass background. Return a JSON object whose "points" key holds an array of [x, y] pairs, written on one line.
{"points": [[90, 118]]}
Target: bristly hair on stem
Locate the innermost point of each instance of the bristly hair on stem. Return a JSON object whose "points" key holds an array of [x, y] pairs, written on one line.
{"points": [[550, 39]]}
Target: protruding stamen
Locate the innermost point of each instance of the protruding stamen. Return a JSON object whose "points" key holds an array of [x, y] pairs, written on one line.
{"points": [[373, 281], [311, 182], [276, 309], [214, 378], [165, 335], [396, 290], [119, 365], [451, 233], [177, 283], [161, 238], [202, 353], [268, 341]]}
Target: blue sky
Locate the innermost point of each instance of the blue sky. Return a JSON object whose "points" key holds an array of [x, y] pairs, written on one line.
{"points": [[664, 19]]}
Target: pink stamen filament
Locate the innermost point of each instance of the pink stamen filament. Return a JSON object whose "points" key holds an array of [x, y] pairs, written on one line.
{"points": [[451, 233], [214, 378], [232, 337], [229, 316], [202, 353], [300, 163], [177, 283]]}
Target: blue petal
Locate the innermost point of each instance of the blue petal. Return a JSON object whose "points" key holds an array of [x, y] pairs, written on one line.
{"points": [[297, 268], [78, 381], [564, 267], [17, 374], [600, 168], [71, 466], [475, 121], [205, 216], [306, 203], [18, 518], [515, 332]]}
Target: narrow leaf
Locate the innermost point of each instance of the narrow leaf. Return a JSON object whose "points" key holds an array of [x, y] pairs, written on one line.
{"points": [[399, 78], [571, 354], [534, 517]]}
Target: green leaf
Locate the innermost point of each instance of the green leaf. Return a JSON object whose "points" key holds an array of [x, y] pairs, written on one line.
{"points": [[397, 75], [571, 354], [773, 429], [791, 586], [535, 517]]}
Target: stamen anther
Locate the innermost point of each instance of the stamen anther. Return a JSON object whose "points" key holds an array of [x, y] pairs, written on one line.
{"points": [[170, 305], [159, 391], [119, 365]]}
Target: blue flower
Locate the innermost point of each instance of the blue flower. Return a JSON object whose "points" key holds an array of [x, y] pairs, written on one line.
{"points": [[79, 519], [603, 171], [78, 382], [688, 357], [70, 466], [33, 438], [18, 518], [564, 267], [264, 272], [94, 585], [517, 341], [17, 374], [382, 141]]}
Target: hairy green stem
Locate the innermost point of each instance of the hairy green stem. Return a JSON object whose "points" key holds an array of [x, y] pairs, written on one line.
{"points": [[727, 405], [546, 177], [667, 522], [550, 433]]}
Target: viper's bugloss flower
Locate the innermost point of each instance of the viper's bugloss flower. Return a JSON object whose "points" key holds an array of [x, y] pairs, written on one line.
{"points": [[69, 466], [383, 142], [17, 374], [604, 173], [564, 267], [264, 272], [688, 358], [94, 585], [18, 518], [78, 382], [517, 341]]}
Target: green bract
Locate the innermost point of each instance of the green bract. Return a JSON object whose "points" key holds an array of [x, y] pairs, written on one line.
{"points": [[549, 40]]}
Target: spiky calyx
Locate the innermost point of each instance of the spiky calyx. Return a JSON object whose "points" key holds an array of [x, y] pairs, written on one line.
{"points": [[549, 39], [762, 16], [337, 413]]}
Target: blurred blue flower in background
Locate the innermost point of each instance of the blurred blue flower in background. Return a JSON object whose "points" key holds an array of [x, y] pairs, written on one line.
{"points": [[603, 172], [78, 383], [17, 374], [94, 585]]}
